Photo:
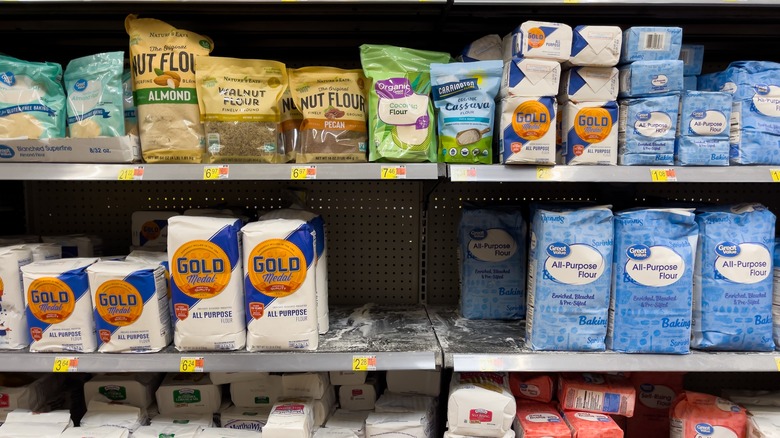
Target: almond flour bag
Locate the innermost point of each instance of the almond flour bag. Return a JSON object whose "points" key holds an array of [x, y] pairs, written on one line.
{"points": [[162, 60], [290, 127], [32, 100], [239, 105], [94, 87], [333, 104]]}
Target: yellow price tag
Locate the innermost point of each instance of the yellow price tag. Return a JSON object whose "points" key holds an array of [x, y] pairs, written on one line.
{"points": [[65, 365], [663, 175], [777, 363], [363, 363], [775, 174], [491, 364], [131, 174], [544, 173], [191, 365], [301, 173], [211, 173], [570, 2], [393, 172]]}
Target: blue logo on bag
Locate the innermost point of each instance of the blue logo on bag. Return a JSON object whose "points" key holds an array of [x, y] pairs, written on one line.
{"points": [[647, 387], [80, 85], [700, 114], [477, 234], [8, 78], [762, 89], [643, 116], [6, 151], [558, 250], [727, 249], [704, 429], [638, 252]]}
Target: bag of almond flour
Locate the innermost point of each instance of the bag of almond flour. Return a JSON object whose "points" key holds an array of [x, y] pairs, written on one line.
{"points": [[162, 61]]}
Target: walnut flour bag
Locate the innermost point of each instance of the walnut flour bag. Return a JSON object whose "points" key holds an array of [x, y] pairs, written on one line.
{"points": [[290, 127], [239, 105], [162, 61], [333, 104]]}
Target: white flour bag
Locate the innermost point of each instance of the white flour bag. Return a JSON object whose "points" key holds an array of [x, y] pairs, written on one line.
{"points": [[281, 296], [13, 318], [59, 306], [207, 298]]}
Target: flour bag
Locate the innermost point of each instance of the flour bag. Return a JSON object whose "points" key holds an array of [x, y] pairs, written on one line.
{"points": [[94, 87], [32, 99], [13, 318]]}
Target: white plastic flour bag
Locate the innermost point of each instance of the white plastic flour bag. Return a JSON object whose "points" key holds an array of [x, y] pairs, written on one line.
{"points": [[13, 318], [207, 297], [59, 305], [480, 404], [281, 295], [294, 419]]}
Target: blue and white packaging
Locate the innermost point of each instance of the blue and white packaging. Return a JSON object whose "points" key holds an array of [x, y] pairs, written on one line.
{"points": [[596, 46], [530, 78], [690, 83], [589, 84], [648, 124], [651, 44], [701, 151], [14, 333], [492, 263], [527, 134], [776, 294], [650, 307], [733, 280], [569, 278], [704, 128], [645, 78], [484, 49], [589, 134], [645, 159], [543, 40], [692, 56]]}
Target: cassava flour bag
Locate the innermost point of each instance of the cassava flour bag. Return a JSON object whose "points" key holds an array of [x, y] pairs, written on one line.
{"points": [[13, 319], [94, 87], [208, 301], [162, 61], [280, 285], [32, 99], [59, 305]]}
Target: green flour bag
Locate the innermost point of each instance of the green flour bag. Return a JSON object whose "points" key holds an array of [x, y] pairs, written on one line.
{"points": [[401, 122]]}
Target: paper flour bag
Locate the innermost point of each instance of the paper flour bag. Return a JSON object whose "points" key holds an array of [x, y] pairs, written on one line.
{"points": [[350, 420], [13, 318], [216, 432], [293, 419], [178, 431], [96, 432], [532, 386], [244, 418], [262, 392], [590, 425], [59, 305], [655, 393], [44, 251], [136, 389], [597, 46], [188, 393], [280, 284], [420, 382], [398, 425], [480, 404], [335, 433], [207, 295], [695, 415], [539, 420], [111, 413], [598, 393]]}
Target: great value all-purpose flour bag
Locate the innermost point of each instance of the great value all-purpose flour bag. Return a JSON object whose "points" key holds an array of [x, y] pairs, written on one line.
{"points": [[207, 295], [569, 277], [532, 386], [596, 393], [32, 99], [539, 420], [13, 317], [702, 415], [651, 43], [492, 266], [131, 306], [280, 284], [59, 305], [590, 425], [480, 404], [733, 281], [650, 306], [655, 393]]}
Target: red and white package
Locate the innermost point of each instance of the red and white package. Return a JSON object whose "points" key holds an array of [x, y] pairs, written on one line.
{"points": [[590, 425], [539, 420], [655, 393], [597, 393], [695, 415], [532, 386]]}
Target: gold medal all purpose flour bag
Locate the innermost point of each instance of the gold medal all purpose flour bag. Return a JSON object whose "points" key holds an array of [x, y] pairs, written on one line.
{"points": [[162, 61]]}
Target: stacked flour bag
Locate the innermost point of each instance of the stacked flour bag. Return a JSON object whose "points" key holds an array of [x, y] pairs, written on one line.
{"points": [[280, 258], [532, 55], [253, 395], [135, 389], [696, 414], [569, 278], [357, 391], [536, 415], [23, 423], [492, 263], [77, 245], [703, 129], [221, 432], [480, 405], [588, 95], [315, 388], [733, 281], [206, 283], [776, 294], [755, 112], [651, 79], [692, 56], [653, 262], [589, 401], [106, 412], [187, 394], [59, 305], [150, 229], [655, 393], [404, 415], [14, 333], [290, 419], [763, 410], [487, 48], [34, 392]]}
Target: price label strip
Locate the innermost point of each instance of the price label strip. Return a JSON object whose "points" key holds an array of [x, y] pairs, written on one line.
{"points": [[65, 365], [775, 174], [131, 174], [212, 173], [464, 174], [393, 172], [491, 364], [363, 363], [191, 365], [303, 173], [544, 173], [663, 175]]}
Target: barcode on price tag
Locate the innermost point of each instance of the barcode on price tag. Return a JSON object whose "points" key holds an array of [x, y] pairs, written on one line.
{"points": [[131, 173], [216, 172], [663, 175], [363, 363], [191, 365], [775, 173], [306, 172], [393, 172], [65, 365]]}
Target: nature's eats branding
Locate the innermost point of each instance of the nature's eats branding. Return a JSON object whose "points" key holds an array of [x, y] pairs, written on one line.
{"points": [[50, 300], [201, 269], [119, 303]]}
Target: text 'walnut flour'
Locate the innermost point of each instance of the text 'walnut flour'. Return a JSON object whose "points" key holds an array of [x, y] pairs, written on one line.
{"points": [[162, 61]]}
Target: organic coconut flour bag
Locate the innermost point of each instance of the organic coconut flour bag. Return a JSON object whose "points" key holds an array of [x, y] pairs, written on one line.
{"points": [[401, 125], [162, 61]]}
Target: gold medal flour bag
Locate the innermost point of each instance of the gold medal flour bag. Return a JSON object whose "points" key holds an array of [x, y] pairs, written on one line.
{"points": [[162, 61]]}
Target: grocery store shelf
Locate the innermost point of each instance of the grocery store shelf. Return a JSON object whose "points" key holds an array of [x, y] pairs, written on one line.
{"points": [[633, 174], [470, 345], [398, 337], [196, 172]]}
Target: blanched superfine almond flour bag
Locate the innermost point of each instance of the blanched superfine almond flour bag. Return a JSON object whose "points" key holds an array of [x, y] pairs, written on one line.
{"points": [[162, 62]]}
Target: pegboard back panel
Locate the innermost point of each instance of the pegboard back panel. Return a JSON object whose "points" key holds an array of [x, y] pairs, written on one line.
{"points": [[372, 227], [445, 202]]}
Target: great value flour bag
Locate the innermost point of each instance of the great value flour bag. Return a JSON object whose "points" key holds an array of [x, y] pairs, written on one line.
{"points": [[696, 415], [492, 263], [32, 99], [280, 285], [13, 318], [539, 420], [131, 307], [480, 404], [733, 281], [650, 306], [532, 386], [59, 305], [655, 393], [590, 425], [95, 104], [569, 277], [596, 393], [207, 296]]}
